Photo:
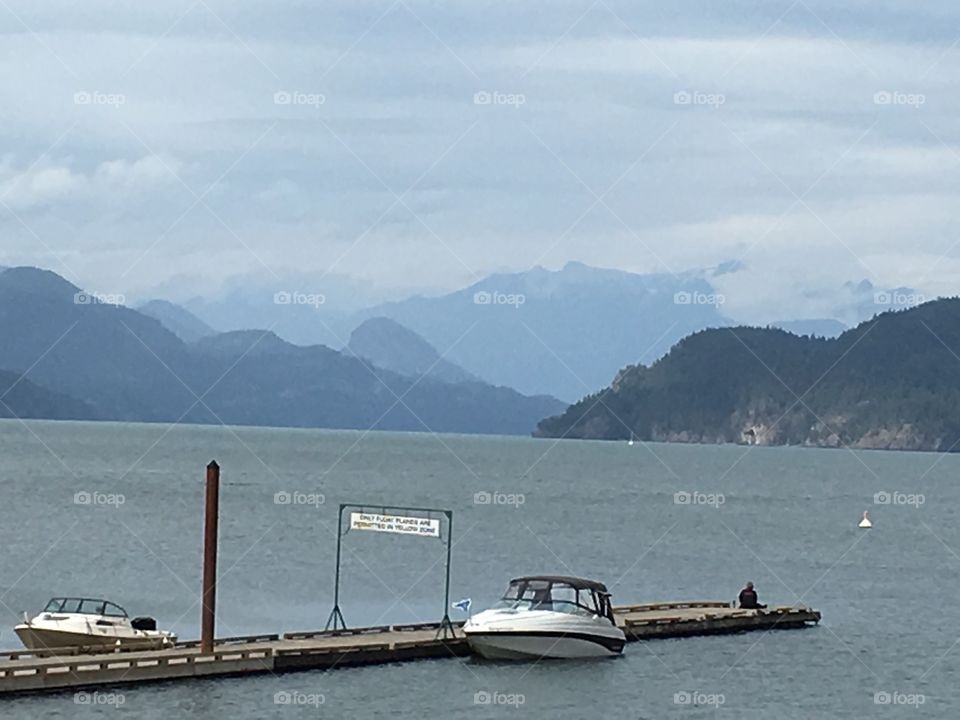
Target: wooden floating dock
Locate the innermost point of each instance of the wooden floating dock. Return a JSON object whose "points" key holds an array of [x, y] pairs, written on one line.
{"points": [[685, 619], [39, 671]]}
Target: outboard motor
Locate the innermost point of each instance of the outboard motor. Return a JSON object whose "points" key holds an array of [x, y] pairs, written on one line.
{"points": [[143, 623]]}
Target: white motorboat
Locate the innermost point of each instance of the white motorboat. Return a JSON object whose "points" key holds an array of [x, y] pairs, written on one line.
{"points": [[547, 616], [89, 623]]}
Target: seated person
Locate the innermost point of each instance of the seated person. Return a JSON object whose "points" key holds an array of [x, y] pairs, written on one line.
{"points": [[748, 598]]}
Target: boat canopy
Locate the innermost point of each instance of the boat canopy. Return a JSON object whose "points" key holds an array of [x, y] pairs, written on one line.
{"points": [[558, 593], [574, 582], [85, 606]]}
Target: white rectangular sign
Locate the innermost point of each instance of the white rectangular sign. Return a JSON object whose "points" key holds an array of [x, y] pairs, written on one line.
{"points": [[400, 524]]}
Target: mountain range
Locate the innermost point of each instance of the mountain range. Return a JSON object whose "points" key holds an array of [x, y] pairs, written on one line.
{"points": [[891, 382], [558, 332], [112, 362], [563, 332], [444, 363]]}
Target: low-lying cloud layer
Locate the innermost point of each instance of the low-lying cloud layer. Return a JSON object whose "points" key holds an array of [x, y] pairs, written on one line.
{"points": [[415, 145]]}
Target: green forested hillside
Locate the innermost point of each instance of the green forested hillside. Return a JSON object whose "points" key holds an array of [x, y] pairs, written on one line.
{"points": [[891, 382]]}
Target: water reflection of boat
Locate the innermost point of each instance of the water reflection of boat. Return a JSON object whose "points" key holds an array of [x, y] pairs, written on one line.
{"points": [[547, 616], [88, 622]]}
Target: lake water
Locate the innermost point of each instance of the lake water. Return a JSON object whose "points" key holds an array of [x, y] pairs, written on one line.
{"points": [[787, 521]]}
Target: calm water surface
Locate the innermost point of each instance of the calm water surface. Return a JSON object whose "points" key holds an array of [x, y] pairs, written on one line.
{"points": [[787, 522]]}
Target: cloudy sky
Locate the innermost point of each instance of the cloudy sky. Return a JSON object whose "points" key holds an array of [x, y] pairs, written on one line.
{"points": [[179, 146]]}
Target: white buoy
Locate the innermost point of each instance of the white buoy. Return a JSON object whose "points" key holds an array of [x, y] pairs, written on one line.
{"points": [[865, 522]]}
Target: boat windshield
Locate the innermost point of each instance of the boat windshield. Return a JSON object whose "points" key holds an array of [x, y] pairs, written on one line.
{"points": [[85, 606], [547, 595]]}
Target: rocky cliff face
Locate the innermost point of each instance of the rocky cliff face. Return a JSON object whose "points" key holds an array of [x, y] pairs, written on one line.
{"points": [[902, 437]]}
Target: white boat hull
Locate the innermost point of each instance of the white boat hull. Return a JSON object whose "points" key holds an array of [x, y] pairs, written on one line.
{"points": [[520, 635], [39, 638], [503, 646]]}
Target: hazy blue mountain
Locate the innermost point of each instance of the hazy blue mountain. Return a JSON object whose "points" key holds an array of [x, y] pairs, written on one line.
{"points": [[288, 384], [862, 300], [562, 333], [556, 332], [178, 320], [123, 363], [391, 346], [820, 327], [128, 366], [301, 308], [21, 398]]}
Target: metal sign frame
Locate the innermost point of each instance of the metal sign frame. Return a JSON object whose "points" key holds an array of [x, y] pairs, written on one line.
{"points": [[336, 615]]}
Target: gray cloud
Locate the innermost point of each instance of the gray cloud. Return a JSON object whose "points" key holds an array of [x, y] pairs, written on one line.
{"points": [[147, 147]]}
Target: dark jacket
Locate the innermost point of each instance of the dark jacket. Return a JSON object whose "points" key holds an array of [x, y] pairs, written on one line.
{"points": [[748, 599]]}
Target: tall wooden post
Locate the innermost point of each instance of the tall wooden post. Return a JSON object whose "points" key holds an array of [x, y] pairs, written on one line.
{"points": [[209, 592]]}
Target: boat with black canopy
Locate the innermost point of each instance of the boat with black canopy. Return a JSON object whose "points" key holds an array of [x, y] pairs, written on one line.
{"points": [[547, 616]]}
